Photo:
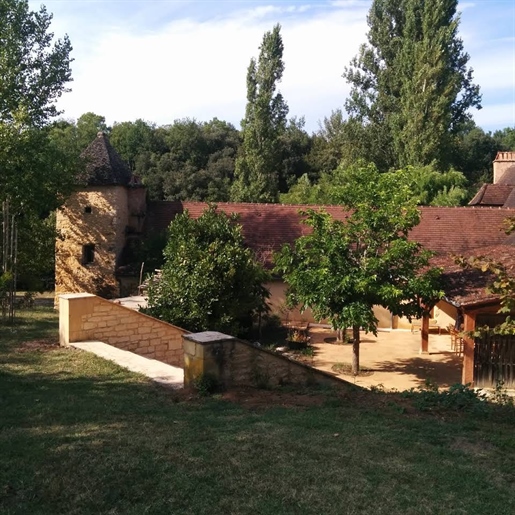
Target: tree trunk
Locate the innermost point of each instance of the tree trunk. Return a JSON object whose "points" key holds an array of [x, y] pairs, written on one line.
{"points": [[355, 350]]}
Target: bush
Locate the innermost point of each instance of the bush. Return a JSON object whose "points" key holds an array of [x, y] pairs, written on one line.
{"points": [[210, 279]]}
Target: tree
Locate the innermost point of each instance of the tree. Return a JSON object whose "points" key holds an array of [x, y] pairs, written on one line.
{"points": [[411, 88], [191, 161], [131, 139], [34, 72], [426, 186], [474, 150], [88, 126], [34, 174], [210, 279], [257, 168], [295, 145], [505, 138], [343, 269], [34, 68]]}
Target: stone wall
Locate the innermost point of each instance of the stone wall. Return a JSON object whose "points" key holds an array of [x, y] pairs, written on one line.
{"points": [[85, 317], [94, 216], [234, 362], [277, 303]]}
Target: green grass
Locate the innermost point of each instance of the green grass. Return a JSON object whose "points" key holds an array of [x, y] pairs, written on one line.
{"points": [[79, 435]]}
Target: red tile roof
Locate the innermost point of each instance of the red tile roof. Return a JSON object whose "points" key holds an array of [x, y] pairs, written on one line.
{"points": [[444, 230], [458, 229], [499, 195], [468, 287], [269, 226]]}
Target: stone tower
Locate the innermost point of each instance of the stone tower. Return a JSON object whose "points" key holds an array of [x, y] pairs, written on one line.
{"points": [[94, 223]]}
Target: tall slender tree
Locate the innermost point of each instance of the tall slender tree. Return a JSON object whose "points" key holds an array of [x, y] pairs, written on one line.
{"points": [[411, 87], [257, 168]]}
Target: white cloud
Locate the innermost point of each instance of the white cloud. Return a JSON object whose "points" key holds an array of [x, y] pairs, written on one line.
{"points": [[187, 68], [157, 61], [496, 116]]}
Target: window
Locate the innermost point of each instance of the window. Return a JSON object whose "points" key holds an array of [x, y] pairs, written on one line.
{"points": [[87, 209], [88, 254]]}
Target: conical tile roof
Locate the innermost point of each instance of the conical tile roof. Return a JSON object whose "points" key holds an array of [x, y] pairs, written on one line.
{"points": [[104, 167]]}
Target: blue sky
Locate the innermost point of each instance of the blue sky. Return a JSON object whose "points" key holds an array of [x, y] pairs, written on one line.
{"points": [[162, 60]]}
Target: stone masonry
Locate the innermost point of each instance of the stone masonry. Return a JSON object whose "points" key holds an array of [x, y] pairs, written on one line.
{"points": [[233, 362], [97, 216], [86, 317]]}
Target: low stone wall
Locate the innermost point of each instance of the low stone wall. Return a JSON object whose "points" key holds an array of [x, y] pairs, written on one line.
{"points": [[86, 317], [235, 362]]}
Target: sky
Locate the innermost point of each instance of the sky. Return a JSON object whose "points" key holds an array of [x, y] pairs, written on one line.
{"points": [[163, 60]]}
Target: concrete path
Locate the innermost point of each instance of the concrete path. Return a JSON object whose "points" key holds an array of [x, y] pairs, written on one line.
{"points": [[156, 370]]}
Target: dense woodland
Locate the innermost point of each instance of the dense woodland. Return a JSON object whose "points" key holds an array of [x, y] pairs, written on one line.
{"points": [[194, 160], [410, 111]]}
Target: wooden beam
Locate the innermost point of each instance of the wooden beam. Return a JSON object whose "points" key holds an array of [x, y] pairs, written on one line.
{"points": [[467, 374], [424, 334]]}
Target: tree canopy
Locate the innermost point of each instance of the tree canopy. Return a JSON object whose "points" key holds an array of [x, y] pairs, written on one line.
{"points": [[257, 167], [411, 87], [426, 186], [344, 268], [34, 67], [210, 279], [34, 71]]}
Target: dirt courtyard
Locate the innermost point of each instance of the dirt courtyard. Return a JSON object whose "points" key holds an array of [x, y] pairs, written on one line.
{"points": [[392, 359]]}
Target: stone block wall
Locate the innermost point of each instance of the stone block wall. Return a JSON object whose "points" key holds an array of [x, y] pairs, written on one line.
{"points": [[86, 317], [94, 216], [234, 362]]}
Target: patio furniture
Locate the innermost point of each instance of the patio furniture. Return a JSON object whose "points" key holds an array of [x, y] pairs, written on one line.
{"points": [[433, 324], [456, 340]]}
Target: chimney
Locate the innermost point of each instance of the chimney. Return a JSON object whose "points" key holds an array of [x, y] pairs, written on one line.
{"points": [[504, 168]]}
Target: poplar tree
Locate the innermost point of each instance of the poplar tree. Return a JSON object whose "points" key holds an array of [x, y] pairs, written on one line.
{"points": [[257, 168], [411, 89]]}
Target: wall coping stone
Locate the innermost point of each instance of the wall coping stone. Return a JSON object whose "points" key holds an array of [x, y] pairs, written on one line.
{"points": [[75, 295], [208, 337]]}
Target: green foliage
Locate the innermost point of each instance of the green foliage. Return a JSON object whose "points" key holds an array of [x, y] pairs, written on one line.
{"points": [[473, 153], [34, 66], [432, 188], [36, 253], [256, 172], [501, 396], [458, 397], [131, 139], [295, 147], [210, 280], [190, 161], [506, 138], [425, 185], [205, 385], [502, 284], [411, 89], [36, 172], [342, 269]]}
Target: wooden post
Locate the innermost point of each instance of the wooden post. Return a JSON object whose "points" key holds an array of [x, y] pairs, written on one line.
{"points": [[424, 332], [467, 374]]}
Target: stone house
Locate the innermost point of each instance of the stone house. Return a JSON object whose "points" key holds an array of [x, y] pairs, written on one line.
{"points": [[103, 220]]}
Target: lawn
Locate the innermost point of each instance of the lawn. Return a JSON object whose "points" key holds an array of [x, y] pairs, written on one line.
{"points": [[79, 435]]}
